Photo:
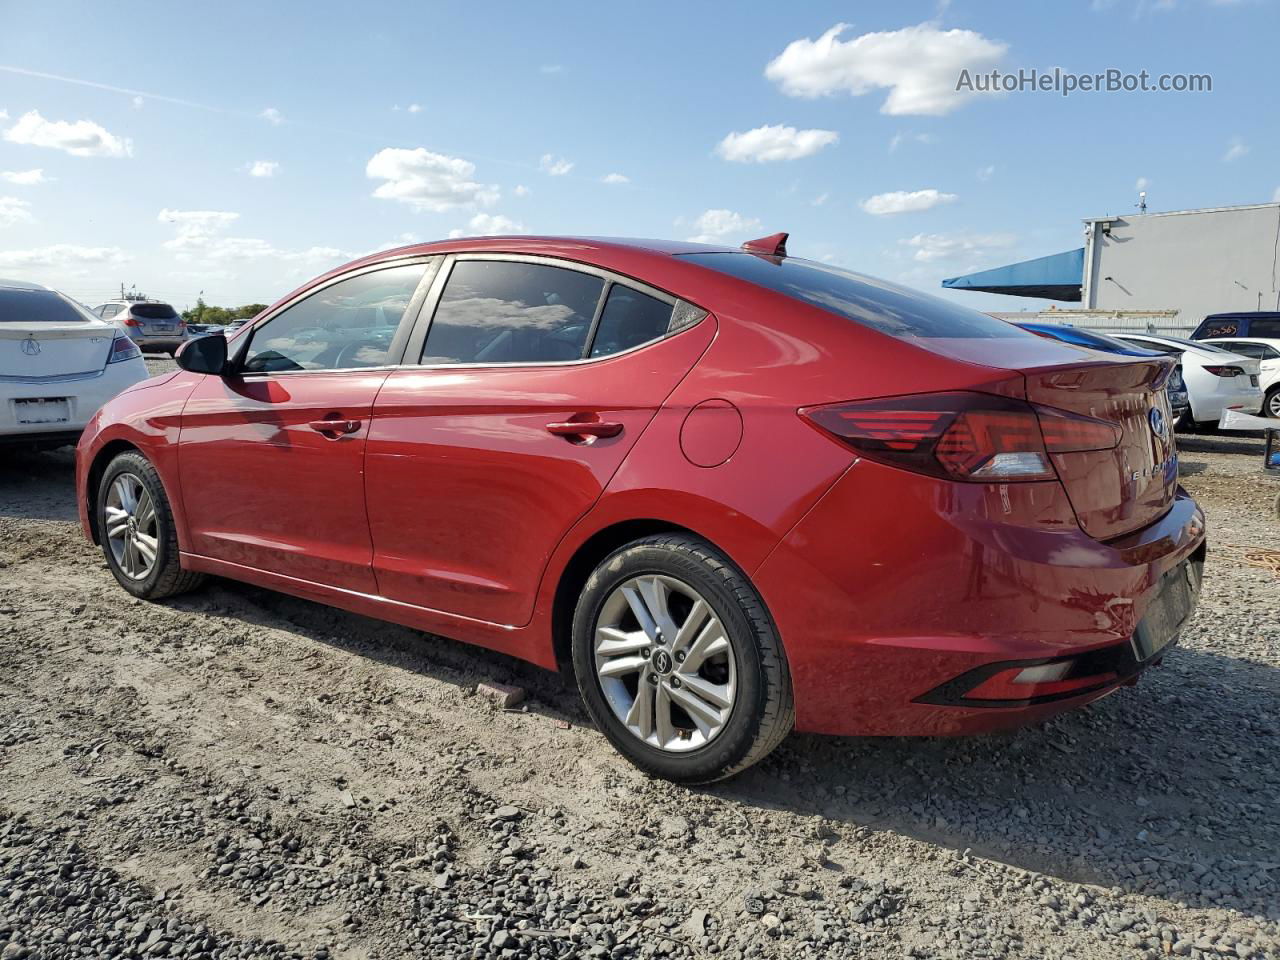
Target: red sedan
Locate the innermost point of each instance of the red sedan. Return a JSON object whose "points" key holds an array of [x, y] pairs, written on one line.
{"points": [[735, 492]]}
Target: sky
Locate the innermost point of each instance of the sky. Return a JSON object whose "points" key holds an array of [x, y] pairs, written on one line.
{"points": [[234, 150]]}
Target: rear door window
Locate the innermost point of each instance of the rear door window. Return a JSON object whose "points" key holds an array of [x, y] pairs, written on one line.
{"points": [[1269, 327], [499, 311], [346, 325]]}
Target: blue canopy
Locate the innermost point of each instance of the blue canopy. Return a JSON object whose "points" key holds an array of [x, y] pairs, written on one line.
{"points": [[1058, 276]]}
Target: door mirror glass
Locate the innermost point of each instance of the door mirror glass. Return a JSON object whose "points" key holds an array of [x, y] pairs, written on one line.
{"points": [[204, 355]]}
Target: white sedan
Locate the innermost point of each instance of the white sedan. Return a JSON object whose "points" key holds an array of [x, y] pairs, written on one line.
{"points": [[1216, 380], [1267, 352], [58, 364]]}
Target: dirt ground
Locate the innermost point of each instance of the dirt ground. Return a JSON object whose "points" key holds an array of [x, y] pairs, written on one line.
{"points": [[236, 773]]}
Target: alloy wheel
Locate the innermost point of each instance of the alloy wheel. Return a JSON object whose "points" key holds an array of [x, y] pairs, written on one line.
{"points": [[1273, 405], [131, 524], [665, 663]]}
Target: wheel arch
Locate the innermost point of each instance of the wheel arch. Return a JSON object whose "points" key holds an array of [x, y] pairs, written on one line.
{"points": [[97, 468]]}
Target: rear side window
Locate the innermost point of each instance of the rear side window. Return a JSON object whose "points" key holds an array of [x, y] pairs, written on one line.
{"points": [[38, 306], [109, 310], [497, 311], [1244, 349], [346, 325], [887, 307], [153, 311], [1264, 328], [629, 319]]}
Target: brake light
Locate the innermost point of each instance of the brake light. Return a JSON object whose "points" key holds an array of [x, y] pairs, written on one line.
{"points": [[122, 348], [129, 321], [1227, 371], [963, 436]]}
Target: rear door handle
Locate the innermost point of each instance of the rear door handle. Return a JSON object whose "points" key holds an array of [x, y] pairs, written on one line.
{"points": [[585, 428], [337, 427]]}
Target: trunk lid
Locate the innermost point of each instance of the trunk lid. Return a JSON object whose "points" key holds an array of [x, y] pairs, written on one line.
{"points": [[1114, 491], [40, 351], [1131, 485]]}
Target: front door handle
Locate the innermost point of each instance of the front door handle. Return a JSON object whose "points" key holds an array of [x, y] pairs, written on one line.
{"points": [[585, 428], [335, 427]]}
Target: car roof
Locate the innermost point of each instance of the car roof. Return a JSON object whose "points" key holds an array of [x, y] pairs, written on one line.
{"points": [[1267, 341], [23, 285], [1245, 315]]}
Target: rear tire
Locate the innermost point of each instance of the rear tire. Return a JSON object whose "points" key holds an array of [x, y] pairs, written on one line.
{"points": [[136, 528], [678, 661], [1271, 405]]}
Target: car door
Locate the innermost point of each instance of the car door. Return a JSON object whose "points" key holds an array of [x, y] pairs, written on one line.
{"points": [[535, 379], [271, 456]]}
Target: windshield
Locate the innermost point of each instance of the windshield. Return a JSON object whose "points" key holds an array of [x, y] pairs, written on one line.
{"points": [[898, 311], [39, 306]]}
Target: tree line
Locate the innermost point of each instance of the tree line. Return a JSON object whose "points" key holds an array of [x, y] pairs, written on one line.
{"points": [[203, 313]]}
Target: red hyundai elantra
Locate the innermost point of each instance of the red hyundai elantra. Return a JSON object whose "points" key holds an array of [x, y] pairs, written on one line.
{"points": [[735, 492]]}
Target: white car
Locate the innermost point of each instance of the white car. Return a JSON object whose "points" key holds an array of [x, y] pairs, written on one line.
{"points": [[58, 364], [1216, 379], [1267, 352]]}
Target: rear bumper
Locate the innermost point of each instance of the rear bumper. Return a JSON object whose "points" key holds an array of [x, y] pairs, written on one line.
{"points": [[84, 395], [883, 608], [1208, 406]]}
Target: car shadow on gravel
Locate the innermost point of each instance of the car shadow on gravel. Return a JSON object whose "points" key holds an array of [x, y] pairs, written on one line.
{"points": [[38, 485], [1168, 788]]}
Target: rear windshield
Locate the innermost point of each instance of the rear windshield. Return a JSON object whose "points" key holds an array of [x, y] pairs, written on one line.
{"points": [[887, 307], [152, 311], [38, 306]]}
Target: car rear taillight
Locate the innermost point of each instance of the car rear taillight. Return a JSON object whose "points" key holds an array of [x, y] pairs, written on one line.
{"points": [[1227, 371], [122, 348], [129, 321], [963, 436]]}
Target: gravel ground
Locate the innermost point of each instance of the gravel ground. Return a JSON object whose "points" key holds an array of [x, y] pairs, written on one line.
{"points": [[235, 773]]}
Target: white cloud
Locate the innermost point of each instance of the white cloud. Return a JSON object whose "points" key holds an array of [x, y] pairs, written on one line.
{"points": [[82, 138], [905, 201], [272, 116], [551, 68], [137, 102], [555, 166], [262, 168], [415, 108], [820, 199], [488, 225], [987, 172], [919, 66], [771, 143], [521, 190], [63, 257], [900, 138], [615, 178], [1142, 183], [943, 247], [13, 210], [24, 178], [715, 226], [427, 181], [4, 114], [200, 235], [1236, 149]]}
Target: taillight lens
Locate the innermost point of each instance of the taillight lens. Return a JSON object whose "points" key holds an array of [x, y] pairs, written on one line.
{"points": [[963, 436], [122, 348], [1227, 371], [129, 321]]}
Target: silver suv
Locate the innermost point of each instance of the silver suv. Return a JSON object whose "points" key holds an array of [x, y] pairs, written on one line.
{"points": [[152, 324]]}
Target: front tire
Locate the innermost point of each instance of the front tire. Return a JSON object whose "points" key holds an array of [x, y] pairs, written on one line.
{"points": [[1271, 405], [678, 661], [139, 537]]}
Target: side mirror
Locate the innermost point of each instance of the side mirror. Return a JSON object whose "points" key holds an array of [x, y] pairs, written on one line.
{"points": [[204, 355]]}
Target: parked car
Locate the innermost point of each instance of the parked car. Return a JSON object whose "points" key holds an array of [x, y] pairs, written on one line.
{"points": [[151, 323], [1217, 379], [58, 364], [733, 491], [1176, 388], [204, 329], [1267, 352], [1259, 323]]}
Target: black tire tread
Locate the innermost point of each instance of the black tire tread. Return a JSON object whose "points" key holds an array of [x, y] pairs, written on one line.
{"points": [[173, 579]]}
